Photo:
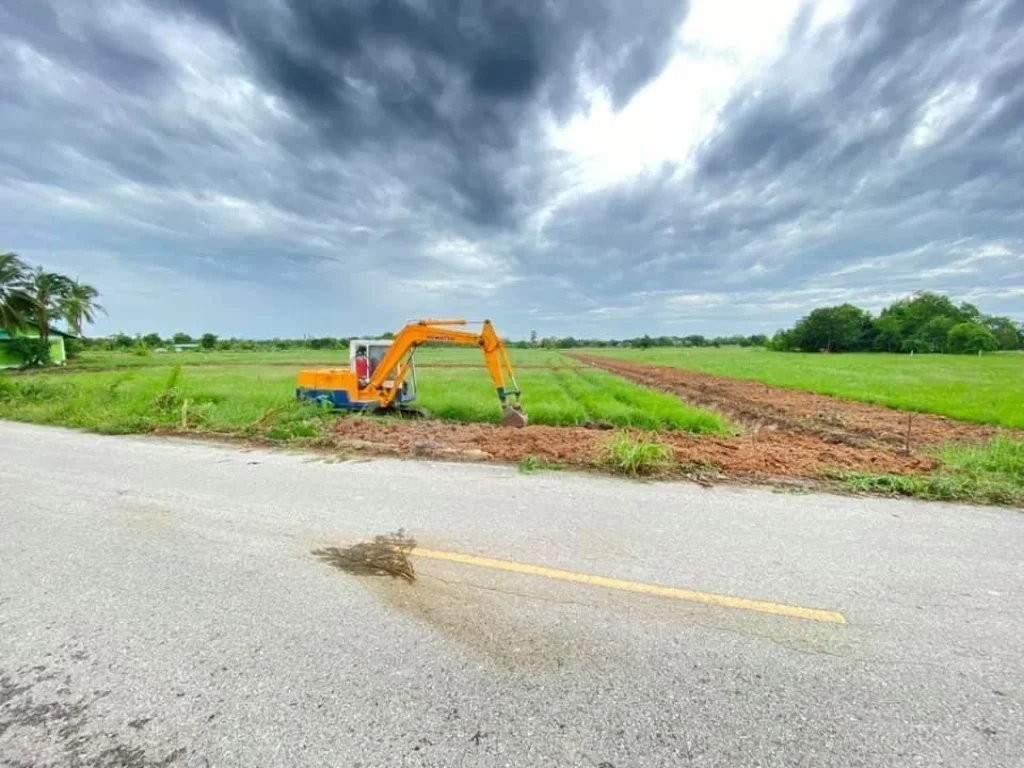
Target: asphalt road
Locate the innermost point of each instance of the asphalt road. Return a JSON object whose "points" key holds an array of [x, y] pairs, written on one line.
{"points": [[160, 606]]}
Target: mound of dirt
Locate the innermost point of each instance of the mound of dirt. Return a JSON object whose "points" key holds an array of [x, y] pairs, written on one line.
{"points": [[762, 455], [761, 408]]}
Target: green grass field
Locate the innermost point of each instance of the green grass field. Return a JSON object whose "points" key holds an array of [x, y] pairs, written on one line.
{"points": [[232, 397], [985, 390]]}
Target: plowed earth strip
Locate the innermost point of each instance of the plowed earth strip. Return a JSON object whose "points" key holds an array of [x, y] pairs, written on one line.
{"points": [[761, 408], [765, 455]]}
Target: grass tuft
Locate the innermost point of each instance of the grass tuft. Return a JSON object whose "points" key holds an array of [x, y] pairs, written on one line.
{"points": [[636, 456], [529, 465]]}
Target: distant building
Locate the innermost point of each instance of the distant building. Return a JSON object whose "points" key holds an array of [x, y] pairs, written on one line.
{"points": [[58, 355]]}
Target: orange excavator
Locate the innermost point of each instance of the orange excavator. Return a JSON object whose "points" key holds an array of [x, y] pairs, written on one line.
{"points": [[382, 372]]}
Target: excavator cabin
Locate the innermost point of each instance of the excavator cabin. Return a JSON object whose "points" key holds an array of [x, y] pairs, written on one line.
{"points": [[382, 372]]}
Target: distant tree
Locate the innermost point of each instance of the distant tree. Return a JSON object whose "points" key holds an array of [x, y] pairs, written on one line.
{"points": [[782, 341], [889, 331], [971, 338], [16, 305], [898, 328], [757, 340], [730, 341], [122, 341], [845, 328], [322, 343], [152, 340], [78, 305], [181, 338], [933, 335], [969, 312], [48, 290], [1007, 332], [533, 338], [208, 341], [73, 347]]}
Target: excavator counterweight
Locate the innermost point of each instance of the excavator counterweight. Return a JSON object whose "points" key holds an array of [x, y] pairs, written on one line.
{"points": [[382, 373]]}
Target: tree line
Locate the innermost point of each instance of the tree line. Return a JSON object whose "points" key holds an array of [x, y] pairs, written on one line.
{"points": [[211, 341], [645, 341], [33, 297], [208, 342], [925, 322]]}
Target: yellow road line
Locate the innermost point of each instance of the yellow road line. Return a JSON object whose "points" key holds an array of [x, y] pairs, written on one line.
{"points": [[705, 598]]}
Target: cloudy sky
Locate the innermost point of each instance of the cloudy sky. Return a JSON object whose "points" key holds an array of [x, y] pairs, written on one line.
{"points": [[586, 167]]}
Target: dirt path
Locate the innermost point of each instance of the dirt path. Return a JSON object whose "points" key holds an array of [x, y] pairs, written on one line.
{"points": [[760, 408]]}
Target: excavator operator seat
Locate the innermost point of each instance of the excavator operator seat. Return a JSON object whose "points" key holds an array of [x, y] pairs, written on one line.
{"points": [[376, 349]]}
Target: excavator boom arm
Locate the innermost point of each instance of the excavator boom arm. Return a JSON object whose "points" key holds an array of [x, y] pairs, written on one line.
{"points": [[394, 366]]}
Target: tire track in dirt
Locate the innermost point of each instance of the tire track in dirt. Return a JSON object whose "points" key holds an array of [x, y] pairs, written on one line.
{"points": [[759, 407]]}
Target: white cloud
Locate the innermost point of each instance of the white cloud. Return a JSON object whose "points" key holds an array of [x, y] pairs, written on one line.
{"points": [[667, 120], [943, 110]]}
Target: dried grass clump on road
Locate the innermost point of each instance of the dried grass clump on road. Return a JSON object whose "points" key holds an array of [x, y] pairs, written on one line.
{"points": [[386, 555]]}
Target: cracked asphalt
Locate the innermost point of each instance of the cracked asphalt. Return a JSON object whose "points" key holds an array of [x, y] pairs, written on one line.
{"points": [[160, 605]]}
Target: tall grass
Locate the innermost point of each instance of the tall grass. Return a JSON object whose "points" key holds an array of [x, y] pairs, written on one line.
{"points": [[563, 398], [985, 390], [636, 456], [142, 400], [228, 398], [990, 473]]}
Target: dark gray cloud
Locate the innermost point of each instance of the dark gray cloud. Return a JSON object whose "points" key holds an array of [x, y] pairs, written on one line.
{"points": [[353, 162], [470, 76]]}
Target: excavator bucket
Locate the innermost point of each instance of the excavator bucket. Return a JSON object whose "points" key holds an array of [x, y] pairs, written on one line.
{"points": [[513, 416]]}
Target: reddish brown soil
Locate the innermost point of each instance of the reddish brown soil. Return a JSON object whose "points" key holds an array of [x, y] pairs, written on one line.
{"points": [[760, 408], [763, 455]]}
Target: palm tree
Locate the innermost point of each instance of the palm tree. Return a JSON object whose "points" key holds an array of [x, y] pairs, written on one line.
{"points": [[48, 290], [16, 304], [78, 305]]}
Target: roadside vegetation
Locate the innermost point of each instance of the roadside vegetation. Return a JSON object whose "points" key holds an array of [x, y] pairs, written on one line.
{"points": [[636, 456], [529, 465], [243, 398], [992, 473]]}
